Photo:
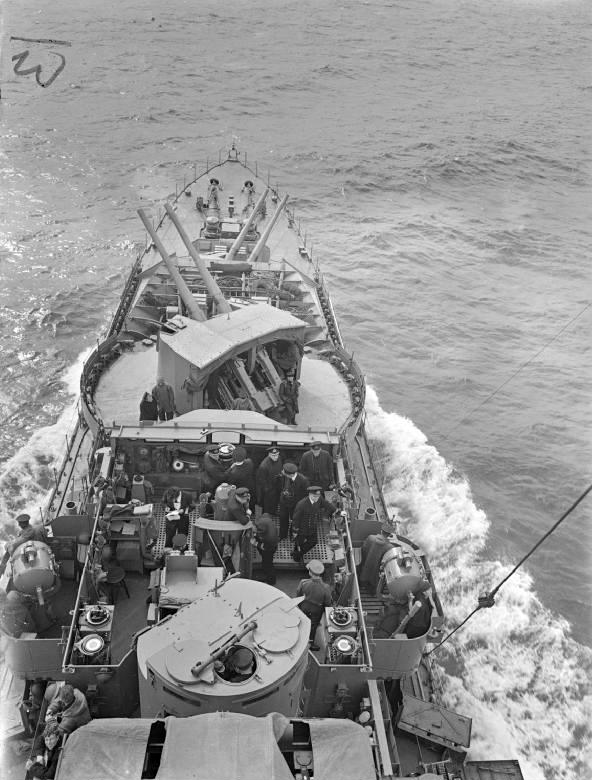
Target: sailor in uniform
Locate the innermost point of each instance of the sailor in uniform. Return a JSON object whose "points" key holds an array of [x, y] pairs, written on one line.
{"points": [[26, 533], [317, 596], [306, 517], [290, 488], [213, 190], [267, 472], [373, 550], [317, 466], [177, 504]]}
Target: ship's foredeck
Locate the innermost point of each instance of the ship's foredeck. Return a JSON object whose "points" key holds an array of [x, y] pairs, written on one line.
{"points": [[324, 399]]}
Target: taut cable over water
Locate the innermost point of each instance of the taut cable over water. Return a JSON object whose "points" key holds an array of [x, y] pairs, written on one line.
{"points": [[488, 599]]}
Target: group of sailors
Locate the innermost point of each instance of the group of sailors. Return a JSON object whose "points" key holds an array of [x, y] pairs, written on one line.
{"points": [[295, 494]]}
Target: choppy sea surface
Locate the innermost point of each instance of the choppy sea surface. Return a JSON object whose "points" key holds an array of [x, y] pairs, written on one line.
{"points": [[439, 155]]}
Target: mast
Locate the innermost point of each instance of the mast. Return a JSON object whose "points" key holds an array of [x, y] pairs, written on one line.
{"points": [[184, 291], [209, 281]]}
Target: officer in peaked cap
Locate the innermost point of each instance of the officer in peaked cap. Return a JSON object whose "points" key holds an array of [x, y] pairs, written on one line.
{"points": [[306, 519], [317, 466], [290, 488], [317, 596], [265, 479]]}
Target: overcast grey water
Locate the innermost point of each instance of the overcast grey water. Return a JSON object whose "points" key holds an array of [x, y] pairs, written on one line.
{"points": [[438, 154]]}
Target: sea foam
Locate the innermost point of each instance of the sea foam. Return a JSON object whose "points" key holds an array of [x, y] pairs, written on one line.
{"points": [[27, 478], [517, 672]]}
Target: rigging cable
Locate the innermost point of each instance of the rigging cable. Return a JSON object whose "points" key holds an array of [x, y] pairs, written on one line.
{"points": [[515, 373], [488, 599]]}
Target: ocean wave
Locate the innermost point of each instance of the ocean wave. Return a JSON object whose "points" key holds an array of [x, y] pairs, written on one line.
{"points": [[27, 478], [519, 673]]}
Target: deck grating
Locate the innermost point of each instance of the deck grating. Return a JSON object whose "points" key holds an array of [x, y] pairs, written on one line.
{"points": [[283, 555]]}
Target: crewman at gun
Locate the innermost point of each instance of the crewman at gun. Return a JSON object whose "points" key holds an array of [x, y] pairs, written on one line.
{"points": [[409, 614], [373, 550], [15, 618], [26, 533], [317, 596]]}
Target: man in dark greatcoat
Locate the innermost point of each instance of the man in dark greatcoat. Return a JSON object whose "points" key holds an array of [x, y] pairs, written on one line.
{"points": [[291, 487], [288, 393], [266, 540], [306, 517], [267, 472], [237, 508], [214, 469], [317, 466], [241, 473]]}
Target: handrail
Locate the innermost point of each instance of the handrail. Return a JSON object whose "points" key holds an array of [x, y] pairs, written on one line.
{"points": [[358, 597], [67, 667]]}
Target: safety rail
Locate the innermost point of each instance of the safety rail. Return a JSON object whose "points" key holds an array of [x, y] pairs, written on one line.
{"points": [[67, 667], [358, 596]]}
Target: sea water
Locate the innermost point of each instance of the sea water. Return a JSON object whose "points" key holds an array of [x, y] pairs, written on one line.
{"points": [[438, 155]]}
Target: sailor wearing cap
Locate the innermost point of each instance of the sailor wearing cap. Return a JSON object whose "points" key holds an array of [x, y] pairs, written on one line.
{"points": [[240, 664], [237, 508], [241, 473], [26, 533], [267, 472], [214, 468], [288, 394], [291, 487], [306, 517], [317, 466], [317, 596], [266, 541], [213, 190], [249, 188], [178, 504]]}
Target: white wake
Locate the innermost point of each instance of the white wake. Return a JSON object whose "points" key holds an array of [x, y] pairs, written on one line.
{"points": [[521, 677]]}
